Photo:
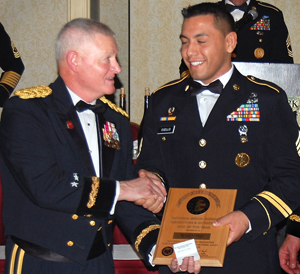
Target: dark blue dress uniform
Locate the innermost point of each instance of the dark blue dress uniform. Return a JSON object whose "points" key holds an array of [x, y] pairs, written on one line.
{"points": [[54, 208], [248, 143], [266, 39], [11, 64], [263, 40]]}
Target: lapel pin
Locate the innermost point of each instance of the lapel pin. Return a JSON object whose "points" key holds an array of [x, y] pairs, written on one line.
{"points": [[70, 125]]}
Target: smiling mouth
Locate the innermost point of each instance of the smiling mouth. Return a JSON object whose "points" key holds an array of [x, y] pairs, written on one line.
{"points": [[196, 63]]}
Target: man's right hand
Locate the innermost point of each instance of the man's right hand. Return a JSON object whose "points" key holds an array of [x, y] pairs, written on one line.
{"points": [[147, 191], [288, 255]]}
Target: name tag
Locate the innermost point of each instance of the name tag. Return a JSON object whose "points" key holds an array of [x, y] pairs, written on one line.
{"points": [[166, 130]]}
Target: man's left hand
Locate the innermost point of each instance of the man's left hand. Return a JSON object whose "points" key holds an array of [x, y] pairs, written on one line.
{"points": [[238, 224]]}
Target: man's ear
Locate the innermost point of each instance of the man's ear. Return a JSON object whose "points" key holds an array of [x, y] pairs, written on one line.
{"points": [[231, 41], [73, 60]]}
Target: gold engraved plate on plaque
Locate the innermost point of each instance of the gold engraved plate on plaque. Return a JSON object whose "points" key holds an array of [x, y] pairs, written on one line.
{"points": [[189, 214], [259, 53]]}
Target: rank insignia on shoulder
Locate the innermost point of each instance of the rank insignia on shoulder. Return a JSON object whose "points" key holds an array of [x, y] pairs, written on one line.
{"points": [[166, 130], [248, 112], [34, 92], [111, 136]]}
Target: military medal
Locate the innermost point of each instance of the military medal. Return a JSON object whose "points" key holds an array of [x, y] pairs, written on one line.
{"points": [[248, 112], [259, 53], [242, 159], [171, 111], [243, 133], [111, 136], [70, 125], [170, 117]]}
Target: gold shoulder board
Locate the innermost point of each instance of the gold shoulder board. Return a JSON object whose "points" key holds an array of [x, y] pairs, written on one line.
{"points": [[173, 83], [114, 107], [34, 92], [262, 83]]}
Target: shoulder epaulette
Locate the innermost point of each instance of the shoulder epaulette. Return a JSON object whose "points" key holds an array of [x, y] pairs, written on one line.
{"points": [[34, 92], [114, 107], [266, 5], [262, 83], [172, 83]]}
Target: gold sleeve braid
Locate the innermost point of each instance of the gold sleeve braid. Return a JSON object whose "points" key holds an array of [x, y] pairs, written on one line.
{"points": [[281, 206], [10, 78], [143, 234], [268, 215], [94, 192], [295, 218], [113, 106]]}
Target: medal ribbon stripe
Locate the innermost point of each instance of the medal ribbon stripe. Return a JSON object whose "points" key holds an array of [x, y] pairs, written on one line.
{"points": [[277, 202], [245, 112]]}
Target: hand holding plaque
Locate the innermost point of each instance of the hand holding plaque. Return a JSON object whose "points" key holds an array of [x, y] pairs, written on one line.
{"points": [[189, 214]]}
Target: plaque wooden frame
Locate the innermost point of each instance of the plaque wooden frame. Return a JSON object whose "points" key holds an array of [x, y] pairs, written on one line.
{"points": [[189, 214]]}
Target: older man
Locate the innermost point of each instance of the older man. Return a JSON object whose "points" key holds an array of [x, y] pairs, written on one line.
{"points": [[67, 171]]}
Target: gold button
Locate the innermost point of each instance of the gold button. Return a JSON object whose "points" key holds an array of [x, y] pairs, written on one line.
{"points": [[70, 243], [202, 143], [92, 223], [74, 217], [202, 186], [110, 221], [108, 244], [99, 228], [164, 138], [260, 40], [186, 88], [202, 164]]}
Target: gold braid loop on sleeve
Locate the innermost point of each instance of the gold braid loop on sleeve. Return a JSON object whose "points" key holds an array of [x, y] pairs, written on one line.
{"points": [[143, 234]]}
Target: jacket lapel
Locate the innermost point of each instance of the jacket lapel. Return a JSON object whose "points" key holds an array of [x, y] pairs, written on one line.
{"points": [[233, 95], [69, 123]]}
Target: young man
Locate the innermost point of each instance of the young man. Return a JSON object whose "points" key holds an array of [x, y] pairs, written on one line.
{"points": [[240, 134], [262, 38], [67, 170]]}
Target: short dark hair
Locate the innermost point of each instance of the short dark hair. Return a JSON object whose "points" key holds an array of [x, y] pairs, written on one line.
{"points": [[221, 15]]}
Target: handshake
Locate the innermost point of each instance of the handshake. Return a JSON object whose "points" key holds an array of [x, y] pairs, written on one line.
{"points": [[147, 191]]}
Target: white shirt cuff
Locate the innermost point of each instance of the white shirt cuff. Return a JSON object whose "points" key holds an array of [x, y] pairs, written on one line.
{"points": [[112, 210]]}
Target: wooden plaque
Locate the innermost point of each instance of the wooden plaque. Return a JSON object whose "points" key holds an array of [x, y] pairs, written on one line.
{"points": [[189, 214]]}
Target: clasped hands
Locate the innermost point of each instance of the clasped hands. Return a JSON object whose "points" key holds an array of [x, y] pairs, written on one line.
{"points": [[147, 191]]}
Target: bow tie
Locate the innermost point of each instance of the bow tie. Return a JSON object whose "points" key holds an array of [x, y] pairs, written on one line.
{"points": [[214, 87], [100, 107], [231, 8]]}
